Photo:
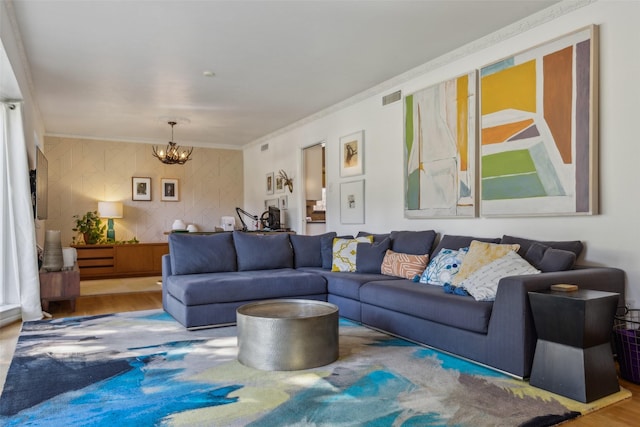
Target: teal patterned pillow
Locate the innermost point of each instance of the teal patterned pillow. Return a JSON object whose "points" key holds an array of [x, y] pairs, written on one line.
{"points": [[443, 267]]}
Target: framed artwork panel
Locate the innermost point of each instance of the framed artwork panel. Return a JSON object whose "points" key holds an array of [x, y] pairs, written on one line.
{"points": [[352, 154], [539, 136], [352, 202], [141, 188], [170, 190], [269, 183], [440, 140]]}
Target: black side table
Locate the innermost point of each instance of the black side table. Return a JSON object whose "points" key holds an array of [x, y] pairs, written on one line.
{"points": [[573, 355]]}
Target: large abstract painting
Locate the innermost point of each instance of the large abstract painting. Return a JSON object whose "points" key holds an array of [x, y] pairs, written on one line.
{"points": [[538, 110], [440, 149]]}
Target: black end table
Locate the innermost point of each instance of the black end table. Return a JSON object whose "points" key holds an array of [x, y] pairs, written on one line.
{"points": [[573, 355]]}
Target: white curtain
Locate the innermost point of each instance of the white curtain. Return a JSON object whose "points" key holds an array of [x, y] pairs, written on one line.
{"points": [[19, 279]]}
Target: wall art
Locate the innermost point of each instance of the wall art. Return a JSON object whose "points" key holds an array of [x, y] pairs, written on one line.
{"points": [[141, 188], [352, 202], [169, 190], [269, 183], [284, 202], [539, 115], [440, 149], [352, 154]]}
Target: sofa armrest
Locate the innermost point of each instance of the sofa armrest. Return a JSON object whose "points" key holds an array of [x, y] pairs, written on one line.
{"points": [[511, 325]]}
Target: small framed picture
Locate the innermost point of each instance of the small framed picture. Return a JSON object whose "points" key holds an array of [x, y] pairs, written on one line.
{"points": [[352, 154], [352, 202], [284, 203], [279, 184], [169, 190], [270, 202], [269, 184], [140, 188]]}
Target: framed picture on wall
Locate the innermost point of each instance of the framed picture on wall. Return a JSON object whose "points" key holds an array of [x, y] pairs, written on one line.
{"points": [[269, 184], [352, 202], [538, 128], [270, 202], [141, 189], [284, 202], [169, 190], [352, 154]]}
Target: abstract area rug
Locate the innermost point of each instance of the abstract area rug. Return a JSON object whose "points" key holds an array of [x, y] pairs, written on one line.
{"points": [[144, 369]]}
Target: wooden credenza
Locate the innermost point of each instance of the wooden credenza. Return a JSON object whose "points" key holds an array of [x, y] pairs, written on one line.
{"points": [[128, 260]]}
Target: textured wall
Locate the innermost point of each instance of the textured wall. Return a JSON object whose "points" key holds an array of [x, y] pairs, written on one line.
{"points": [[83, 172]]}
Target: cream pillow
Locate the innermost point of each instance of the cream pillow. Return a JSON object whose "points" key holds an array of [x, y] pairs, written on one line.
{"points": [[479, 255], [344, 253], [483, 283]]}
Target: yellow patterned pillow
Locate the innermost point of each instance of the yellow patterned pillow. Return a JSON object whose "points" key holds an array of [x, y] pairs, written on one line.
{"points": [[479, 255], [403, 265], [344, 253]]}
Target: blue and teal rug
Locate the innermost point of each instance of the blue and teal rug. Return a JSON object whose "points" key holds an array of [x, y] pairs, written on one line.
{"points": [[144, 369]]}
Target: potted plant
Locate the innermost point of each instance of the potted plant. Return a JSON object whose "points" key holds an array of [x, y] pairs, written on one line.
{"points": [[90, 226]]}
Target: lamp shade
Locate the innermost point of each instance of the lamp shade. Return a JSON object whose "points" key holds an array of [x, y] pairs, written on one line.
{"points": [[110, 209]]}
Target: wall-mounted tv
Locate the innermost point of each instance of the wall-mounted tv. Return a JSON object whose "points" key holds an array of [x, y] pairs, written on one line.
{"points": [[40, 186]]}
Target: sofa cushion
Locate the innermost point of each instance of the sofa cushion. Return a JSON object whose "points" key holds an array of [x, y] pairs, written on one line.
{"points": [[482, 284], [307, 250], [574, 246], [376, 237], [443, 267], [344, 253], [326, 248], [549, 259], [479, 255], [369, 256], [406, 266], [214, 288], [262, 251], [428, 302], [413, 242], [192, 254], [346, 285], [457, 242]]}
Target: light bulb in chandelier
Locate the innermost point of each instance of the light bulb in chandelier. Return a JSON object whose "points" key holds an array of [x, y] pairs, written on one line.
{"points": [[172, 154]]}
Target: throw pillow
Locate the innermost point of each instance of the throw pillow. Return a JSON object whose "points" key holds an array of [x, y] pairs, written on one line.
{"points": [[344, 253], [307, 250], [326, 248], [403, 265], [549, 259], [483, 283], [413, 242], [481, 254], [443, 267], [262, 252], [376, 237], [369, 256]]}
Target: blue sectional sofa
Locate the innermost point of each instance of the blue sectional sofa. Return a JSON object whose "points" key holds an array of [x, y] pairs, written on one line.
{"points": [[207, 277]]}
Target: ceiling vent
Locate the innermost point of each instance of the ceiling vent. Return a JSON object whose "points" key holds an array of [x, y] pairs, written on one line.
{"points": [[391, 98]]}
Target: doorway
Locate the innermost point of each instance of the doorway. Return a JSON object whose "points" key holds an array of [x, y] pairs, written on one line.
{"points": [[314, 189]]}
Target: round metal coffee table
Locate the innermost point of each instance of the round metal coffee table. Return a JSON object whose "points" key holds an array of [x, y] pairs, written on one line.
{"points": [[287, 334]]}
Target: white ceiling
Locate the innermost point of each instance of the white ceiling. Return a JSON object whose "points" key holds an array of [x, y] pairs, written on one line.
{"points": [[121, 69]]}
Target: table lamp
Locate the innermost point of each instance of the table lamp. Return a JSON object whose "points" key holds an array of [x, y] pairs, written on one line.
{"points": [[110, 210]]}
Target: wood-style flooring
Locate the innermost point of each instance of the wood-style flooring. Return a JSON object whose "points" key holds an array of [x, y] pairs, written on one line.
{"points": [[625, 413]]}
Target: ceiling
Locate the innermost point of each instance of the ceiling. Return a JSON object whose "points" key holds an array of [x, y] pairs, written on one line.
{"points": [[120, 70]]}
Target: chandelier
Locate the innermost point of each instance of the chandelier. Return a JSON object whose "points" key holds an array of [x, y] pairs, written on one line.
{"points": [[173, 154]]}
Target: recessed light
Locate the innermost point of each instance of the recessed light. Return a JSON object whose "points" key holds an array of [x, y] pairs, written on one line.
{"points": [[208, 73]]}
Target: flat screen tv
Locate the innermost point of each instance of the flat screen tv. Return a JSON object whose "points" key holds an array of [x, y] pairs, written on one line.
{"points": [[41, 184]]}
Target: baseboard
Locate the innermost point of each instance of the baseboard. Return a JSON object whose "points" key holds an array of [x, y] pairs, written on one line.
{"points": [[9, 313]]}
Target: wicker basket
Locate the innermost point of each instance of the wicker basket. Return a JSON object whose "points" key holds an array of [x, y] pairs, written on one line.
{"points": [[626, 334]]}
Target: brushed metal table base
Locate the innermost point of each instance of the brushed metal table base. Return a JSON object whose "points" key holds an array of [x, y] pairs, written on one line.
{"points": [[287, 334]]}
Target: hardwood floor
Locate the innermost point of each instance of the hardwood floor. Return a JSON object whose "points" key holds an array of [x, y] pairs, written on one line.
{"points": [[626, 413]]}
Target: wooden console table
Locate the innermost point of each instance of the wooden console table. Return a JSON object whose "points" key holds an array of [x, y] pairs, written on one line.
{"points": [[127, 260], [59, 285]]}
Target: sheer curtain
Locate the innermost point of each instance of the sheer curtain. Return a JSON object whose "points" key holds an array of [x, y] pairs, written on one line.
{"points": [[19, 281]]}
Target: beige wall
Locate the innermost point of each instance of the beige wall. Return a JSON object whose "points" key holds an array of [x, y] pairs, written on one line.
{"points": [[83, 172]]}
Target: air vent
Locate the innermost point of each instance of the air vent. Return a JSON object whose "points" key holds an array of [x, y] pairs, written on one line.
{"points": [[392, 97], [264, 147]]}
